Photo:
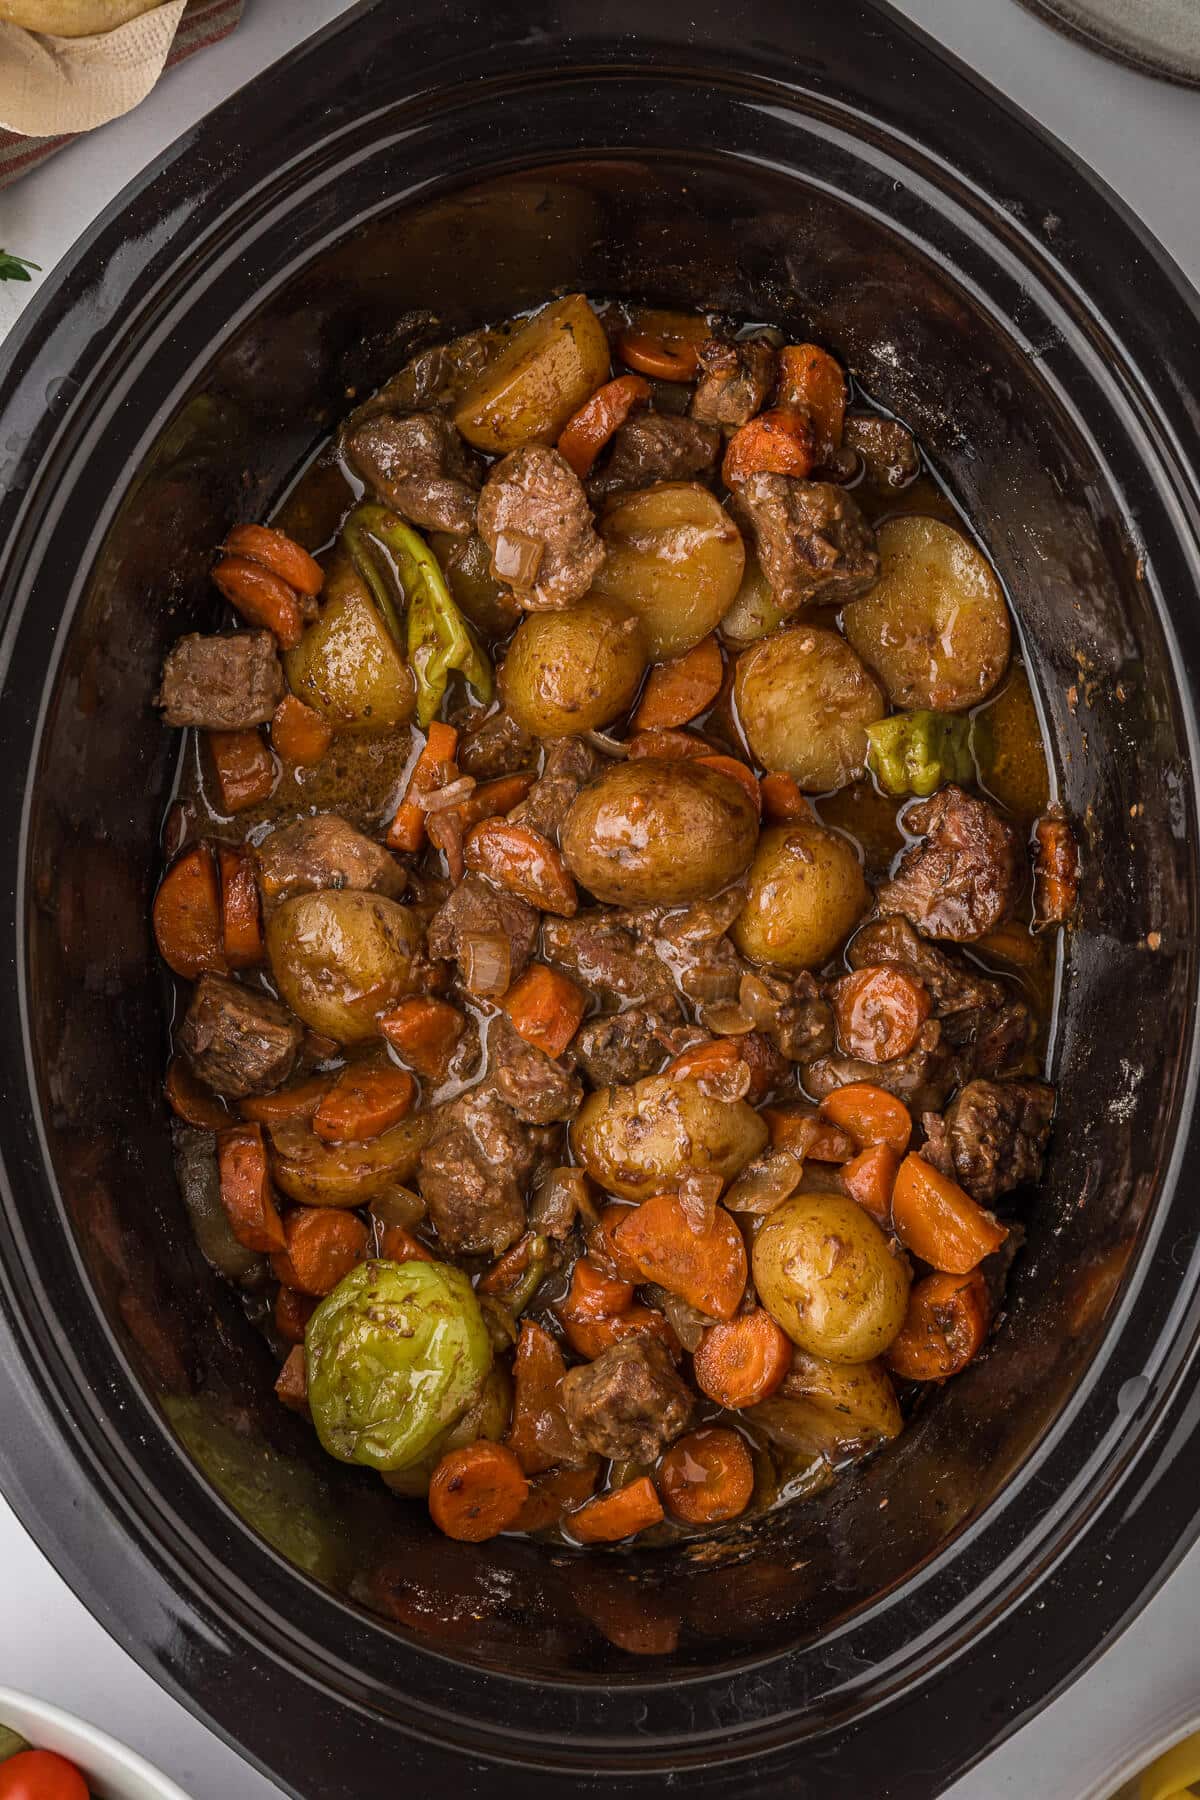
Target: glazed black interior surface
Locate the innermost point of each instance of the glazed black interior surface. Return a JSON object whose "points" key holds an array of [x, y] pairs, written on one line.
{"points": [[205, 351]]}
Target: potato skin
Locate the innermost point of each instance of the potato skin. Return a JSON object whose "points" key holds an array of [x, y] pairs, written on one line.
{"points": [[544, 373], [676, 557], [825, 1272], [572, 671], [318, 1174], [655, 832], [755, 610], [347, 666], [858, 1399], [935, 626], [806, 894], [340, 957], [804, 700], [638, 1141]]}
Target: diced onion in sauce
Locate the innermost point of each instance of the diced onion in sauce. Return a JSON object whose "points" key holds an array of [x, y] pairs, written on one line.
{"points": [[450, 795], [517, 558], [766, 1184], [487, 963]]}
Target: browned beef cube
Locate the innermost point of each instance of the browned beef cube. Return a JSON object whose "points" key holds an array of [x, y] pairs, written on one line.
{"points": [[535, 519], [964, 878], [420, 467], [630, 1402], [812, 541], [473, 1174], [735, 379], [324, 852], [225, 683], [238, 1040]]}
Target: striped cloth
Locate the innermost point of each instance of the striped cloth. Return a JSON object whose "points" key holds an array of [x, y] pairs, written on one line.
{"points": [[204, 22]]}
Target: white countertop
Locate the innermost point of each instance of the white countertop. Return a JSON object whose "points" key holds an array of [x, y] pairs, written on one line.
{"points": [[1142, 136]]}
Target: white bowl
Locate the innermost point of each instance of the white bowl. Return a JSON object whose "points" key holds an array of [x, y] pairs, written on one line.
{"points": [[112, 1771]]}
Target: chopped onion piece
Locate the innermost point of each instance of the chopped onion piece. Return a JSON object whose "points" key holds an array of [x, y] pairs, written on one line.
{"points": [[517, 558], [399, 1206], [765, 1184], [699, 1190], [727, 1019], [450, 795], [607, 746], [487, 963], [756, 999]]}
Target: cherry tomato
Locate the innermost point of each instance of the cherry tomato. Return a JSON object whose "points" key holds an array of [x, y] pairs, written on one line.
{"points": [[41, 1775]]}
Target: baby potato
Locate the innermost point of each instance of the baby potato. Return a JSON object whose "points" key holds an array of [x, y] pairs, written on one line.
{"points": [[856, 1400], [804, 700], [934, 627], [676, 557], [641, 1140], [315, 1173], [348, 666], [544, 373], [826, 1273], [340, 957], [652, 832], [806, 895], [574, 670], [755, 610]]}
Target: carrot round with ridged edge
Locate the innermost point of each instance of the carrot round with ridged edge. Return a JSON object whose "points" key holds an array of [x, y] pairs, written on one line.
{"points": [[593, 1294], [945, 1327], [477, 1492], [869, 1115], [663, 345], [938, 1221], [678, 690], [743, 1360], [322, 1245], [621, 1514], [365, 1100], [707, 1477], [299, 1101], [282, 555], [261, 598], [298, 732], [586, 432], [545, 1007]]}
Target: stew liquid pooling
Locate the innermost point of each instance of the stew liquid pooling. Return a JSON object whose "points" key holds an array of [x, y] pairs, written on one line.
{"points": [[616, 892]]}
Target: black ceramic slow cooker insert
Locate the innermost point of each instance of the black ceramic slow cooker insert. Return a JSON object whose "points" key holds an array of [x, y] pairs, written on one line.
{"points": [[827, 168]]}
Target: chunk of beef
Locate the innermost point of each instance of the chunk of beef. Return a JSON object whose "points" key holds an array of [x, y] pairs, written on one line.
{"points": [[495, 745], [420, 467], [735, 380], [474, 908], [616, 1049], [628, 1404], [693, 945], [812, 540], [226, 683], [964, 878], [324, 852], [570, 764], [991, 1040], [888, 449], [538, 1089], [923, 1078], [657, 446], [997, 1132], [434, 378], [952, 985], [535, 519], [792, 1013], [473, 1174], [609, 957], [239, 1041]]}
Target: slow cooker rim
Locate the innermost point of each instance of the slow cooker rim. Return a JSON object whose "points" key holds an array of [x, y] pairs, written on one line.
{"points": [[12, 377]]}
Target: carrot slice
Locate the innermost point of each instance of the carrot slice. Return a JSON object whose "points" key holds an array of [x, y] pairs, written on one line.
{"points": [[591, 1337], [707, 1476], [594, 1295], [323, 1244], [243, 767], [716, 1056], [586, 432], [870, 1115], [743, 1360], [424, 1032], [664, 345], [778, 442], [879, 1012], [364, 1101], [292, 1313], [604, 1251], [434, 768], [538, 1434], [261, 598], [947, 1322], [192, 1102], [678, 690], [279, 553], [300, 1101], [736, 771], [241, 917], [524, 863], [545, 1007], [555, 1492], [447, 828], [869, 1178], [782, 800], [299, 734], [246, 1188], [397, 1244], [292, 1384], [477, 1492], [671, 744], [706, 1268], [799, 1130], [938, 1220], [611, 1517], [810, 378], [187, 915]]}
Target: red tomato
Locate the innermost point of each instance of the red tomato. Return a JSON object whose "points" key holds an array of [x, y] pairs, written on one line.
{"points": [[41, 1775]]}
